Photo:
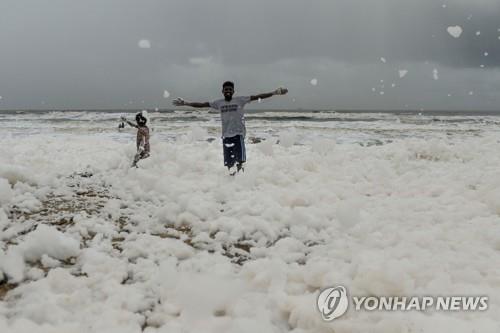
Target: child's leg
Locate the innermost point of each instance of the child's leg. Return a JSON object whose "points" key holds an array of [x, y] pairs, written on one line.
{"points": [[141, 154], [137, 157]]}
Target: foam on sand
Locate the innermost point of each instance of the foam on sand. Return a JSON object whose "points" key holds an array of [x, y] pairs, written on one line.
{"points": [[90, 245]]}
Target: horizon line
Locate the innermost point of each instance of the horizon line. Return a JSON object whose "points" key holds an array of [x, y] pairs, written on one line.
{"points": [[271, 110]]}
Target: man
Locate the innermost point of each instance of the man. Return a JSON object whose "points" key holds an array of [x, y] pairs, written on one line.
{"points": [[233, 121]]}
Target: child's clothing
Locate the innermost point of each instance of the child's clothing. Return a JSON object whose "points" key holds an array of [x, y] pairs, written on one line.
{"points": [[142, 143], [143, 138]]}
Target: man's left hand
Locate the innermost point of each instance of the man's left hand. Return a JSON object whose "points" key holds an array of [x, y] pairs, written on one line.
{"points": [[280, 91]]}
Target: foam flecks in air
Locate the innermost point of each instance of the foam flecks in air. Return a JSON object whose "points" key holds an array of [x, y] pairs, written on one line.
{"points": [[455, 31], [435, 74], [144, 44]]}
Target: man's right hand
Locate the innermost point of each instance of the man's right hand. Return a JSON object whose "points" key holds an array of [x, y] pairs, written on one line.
{"points": [[179, 102]]}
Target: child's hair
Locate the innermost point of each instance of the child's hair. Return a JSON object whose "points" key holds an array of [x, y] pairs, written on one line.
{"points": [[140, 119]]}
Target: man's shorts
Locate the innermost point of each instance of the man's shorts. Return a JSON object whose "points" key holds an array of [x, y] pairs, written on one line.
{"points": [[234, 150]]}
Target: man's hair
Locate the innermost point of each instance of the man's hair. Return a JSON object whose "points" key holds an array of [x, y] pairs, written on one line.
{"points": [[228, 84]]}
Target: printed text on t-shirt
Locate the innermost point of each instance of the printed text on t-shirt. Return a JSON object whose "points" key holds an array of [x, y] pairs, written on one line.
{"points": [[229, 108]]}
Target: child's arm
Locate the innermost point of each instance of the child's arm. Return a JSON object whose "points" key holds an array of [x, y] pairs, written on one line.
{"points": [[128, 122]]}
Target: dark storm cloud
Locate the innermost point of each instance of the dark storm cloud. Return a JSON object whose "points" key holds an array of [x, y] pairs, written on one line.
{"points": [[355, 31], [79, 54]]}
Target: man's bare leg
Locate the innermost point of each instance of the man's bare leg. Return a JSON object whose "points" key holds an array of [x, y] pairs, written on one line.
{"points": [[239, 167]]}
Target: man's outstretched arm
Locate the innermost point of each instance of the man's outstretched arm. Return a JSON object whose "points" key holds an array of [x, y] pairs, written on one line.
{"points": [[180, 102], [279, 91]]}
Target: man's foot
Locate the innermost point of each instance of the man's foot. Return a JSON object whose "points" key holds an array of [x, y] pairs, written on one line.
{"points": [[239, 167]]}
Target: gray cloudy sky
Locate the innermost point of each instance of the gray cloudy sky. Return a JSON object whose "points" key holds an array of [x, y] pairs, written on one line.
{"points": [[85, 54]]}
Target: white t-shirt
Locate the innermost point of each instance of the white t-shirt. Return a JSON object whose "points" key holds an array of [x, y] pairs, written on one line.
{"points": [[232, 115]]}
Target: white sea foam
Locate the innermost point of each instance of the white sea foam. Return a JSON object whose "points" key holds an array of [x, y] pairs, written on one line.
{"points": [[313, 210]]}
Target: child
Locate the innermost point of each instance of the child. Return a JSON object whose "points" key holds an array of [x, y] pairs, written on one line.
{"points": [[142, 141]]}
